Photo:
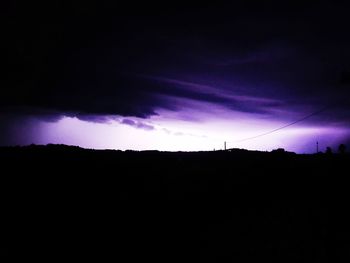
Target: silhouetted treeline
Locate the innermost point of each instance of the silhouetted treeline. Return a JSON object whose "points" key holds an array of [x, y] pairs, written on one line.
{"points": [[63, 202]]}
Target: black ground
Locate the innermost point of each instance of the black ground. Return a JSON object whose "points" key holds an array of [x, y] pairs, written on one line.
{"points": [[68, 203]]}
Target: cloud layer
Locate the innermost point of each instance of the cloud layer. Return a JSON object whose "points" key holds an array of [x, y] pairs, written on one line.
{"points": [[268, 60]]}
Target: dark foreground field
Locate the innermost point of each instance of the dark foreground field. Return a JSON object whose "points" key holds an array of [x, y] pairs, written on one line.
{"points": [[69, 204]]}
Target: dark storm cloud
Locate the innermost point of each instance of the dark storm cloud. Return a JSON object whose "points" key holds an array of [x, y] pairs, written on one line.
{"points": [[85, 60], [95, 118], [17, 130], [47, 115]]}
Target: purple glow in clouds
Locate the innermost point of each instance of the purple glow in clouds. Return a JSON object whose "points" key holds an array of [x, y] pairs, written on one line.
{"points": [[108, 79], [198, 126]]}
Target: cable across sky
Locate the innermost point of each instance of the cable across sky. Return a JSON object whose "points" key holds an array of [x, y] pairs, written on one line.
{"points": [[282, 127]]}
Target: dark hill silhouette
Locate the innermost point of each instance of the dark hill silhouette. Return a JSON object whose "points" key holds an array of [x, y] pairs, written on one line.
{"points": [[64, 202]]}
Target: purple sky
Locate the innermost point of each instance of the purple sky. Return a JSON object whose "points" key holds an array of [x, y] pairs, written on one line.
{"points": [[196, 126], [176, 77]]}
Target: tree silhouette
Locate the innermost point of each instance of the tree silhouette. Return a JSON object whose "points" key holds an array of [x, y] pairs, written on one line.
{"points": [[328, 150], [342, 148]]}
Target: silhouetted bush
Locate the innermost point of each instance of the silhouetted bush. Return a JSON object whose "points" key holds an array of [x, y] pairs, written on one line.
{"points": [[329, 150], [342, 148]]}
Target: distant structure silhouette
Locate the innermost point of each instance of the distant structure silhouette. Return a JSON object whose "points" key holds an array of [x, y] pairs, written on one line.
{"points": [[279, 151], [328, 150], [342, 148]]}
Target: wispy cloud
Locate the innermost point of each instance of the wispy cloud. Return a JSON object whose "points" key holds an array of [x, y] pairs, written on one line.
{"points": [[215, 95], [137, 124]]}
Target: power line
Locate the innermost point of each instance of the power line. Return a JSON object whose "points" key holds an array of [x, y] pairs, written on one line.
{"points": [[285, 126]]}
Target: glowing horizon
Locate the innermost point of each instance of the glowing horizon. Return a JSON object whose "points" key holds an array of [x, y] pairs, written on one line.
{"points": [[191, 125], [164, 134]]}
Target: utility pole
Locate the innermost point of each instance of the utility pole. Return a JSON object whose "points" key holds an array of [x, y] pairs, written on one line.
{"points": [[225, 146], [316, 147]]}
